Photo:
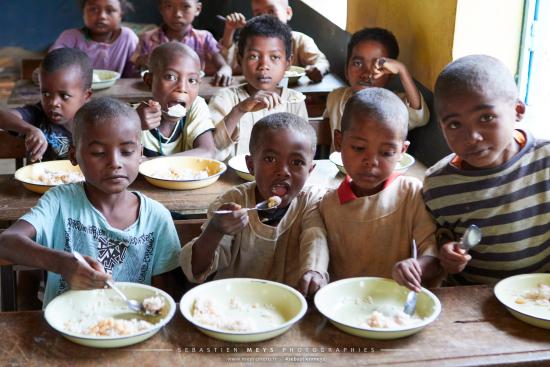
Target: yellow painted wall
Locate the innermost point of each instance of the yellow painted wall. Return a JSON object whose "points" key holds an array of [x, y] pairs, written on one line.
{"points": [[424, 29], [432, 33], [491, 27]]}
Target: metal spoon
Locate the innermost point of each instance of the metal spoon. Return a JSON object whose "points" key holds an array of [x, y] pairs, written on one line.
{"points": [[133, 305], [410, 302], [261, 206], [471, 237]]}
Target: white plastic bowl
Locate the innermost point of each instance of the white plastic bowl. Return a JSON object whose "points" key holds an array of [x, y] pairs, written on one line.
{"points": [[404, 164]]}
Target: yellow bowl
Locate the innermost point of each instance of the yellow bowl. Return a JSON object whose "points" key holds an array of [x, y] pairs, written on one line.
{"points": [[213, 167], [238, 163], [29, 174], [294, 73], [103, 303], [103, 79], [404, 164], [342, 303], [287, 304], [509, 289]]}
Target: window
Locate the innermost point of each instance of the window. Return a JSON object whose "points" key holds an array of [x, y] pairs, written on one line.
{"points": [[336, 12]]}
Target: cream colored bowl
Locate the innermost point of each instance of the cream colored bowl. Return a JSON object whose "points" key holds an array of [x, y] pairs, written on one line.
{"points": [[294, 73], [346, 303], [508, 290], [103, 79], [287, 303], [404, 164], [103, 303], [213, 167], [28, 175], [238, 163]]}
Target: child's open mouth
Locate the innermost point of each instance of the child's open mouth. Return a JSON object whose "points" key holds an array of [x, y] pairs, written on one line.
{"points": [[281, 189]]}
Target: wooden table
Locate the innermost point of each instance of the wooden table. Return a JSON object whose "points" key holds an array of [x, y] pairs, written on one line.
{"points": [[15, 200], [474, 329], [134, 90]]}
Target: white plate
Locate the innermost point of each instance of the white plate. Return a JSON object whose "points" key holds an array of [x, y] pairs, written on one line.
{"points": [[405, 163], [103, 79], [238, 163]]}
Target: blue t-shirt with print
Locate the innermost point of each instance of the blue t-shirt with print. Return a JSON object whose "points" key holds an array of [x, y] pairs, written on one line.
{"points": [[59, 139], [65, 220]]}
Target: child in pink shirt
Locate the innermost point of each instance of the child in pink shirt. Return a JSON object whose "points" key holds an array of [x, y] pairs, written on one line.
{"points": [[108, 45]]}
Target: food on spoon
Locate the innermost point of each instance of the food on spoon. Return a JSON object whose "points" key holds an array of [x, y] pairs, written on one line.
{"points": [[177, 110], [153, 305], [273, 201]]}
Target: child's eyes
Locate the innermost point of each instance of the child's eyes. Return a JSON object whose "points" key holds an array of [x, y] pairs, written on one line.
{"points": [[171, 77], [269, 159], [388, 154], [65, 97], [357, 64], [127, 152], [487, 118], [193, 81], [357, 148], [46, 94], [275, 57], [253, 57], [297, 162], [97, 154], [453, 125]]}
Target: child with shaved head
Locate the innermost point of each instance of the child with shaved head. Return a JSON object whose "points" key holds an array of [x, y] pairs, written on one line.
{"points": [[375, 215], [177, 121], [497, 176]]}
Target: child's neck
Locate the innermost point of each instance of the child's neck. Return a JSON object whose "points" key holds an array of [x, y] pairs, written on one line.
{"points": [[120, 210], [166, 128], [176, 35], [108, 37]]}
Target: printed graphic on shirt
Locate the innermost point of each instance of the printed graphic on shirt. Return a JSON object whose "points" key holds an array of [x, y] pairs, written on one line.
{"points": [[128, 259]]}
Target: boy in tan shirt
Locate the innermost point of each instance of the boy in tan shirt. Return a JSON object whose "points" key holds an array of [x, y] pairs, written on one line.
{"points": [[288, 244], [264, 53], [304, 50], [375, 214]]}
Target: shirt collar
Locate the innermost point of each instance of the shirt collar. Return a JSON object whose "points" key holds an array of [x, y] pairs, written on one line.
{"points": [[346, 194]]}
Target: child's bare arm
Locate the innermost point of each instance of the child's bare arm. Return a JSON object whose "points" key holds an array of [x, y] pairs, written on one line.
{"points": [[233, 22], [453, 258], [17, 246], [390, 66], [35, 141], [203, 146], [219, 225], [412, 273]]}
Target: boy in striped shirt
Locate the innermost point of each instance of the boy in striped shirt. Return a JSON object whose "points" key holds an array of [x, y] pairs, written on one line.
{"points": [[497, 177]]}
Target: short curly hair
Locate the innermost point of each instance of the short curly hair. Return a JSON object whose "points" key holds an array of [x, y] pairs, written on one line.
{"points": [[381, 35], [66, 57], [125, 5], [266, 26]]}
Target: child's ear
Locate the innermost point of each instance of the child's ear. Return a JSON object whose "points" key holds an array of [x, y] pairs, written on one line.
{"points": [[88, 94], [249, 164], [148, 78], [406, 145], [288, 13], [520, 110], [337, 140], [199, 8], [72, 155], [312, 167]]}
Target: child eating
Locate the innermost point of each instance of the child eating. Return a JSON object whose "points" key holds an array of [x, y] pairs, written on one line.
{"points": [[127, 235], [285, 245], [65, 78], [264, 54], [375, 215], [497, 176], [371, 62], [177, 121], [178, 16], [304, 50], [108, 45]]}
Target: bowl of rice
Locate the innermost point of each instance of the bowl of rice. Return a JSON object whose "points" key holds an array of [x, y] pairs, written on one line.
{"points": [[372, 308], [100, 318], [243, 310], [238, 163], [403, 165], [294, 73], [527, 297], [39, 177], [182, 173], [103, 79]]}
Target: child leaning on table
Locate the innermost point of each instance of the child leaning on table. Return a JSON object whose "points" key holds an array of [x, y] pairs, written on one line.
{"points": [[376, 213], [65, 78], [174, 80], [496, 178], [178, 16], [103, 39], [372, 62], [264, 54], [132, 237], [304, 50], [288, 245]]}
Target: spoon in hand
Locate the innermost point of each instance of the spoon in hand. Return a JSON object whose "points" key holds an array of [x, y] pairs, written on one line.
{"points": [[471, 237], [410, 302], [267, 205]]}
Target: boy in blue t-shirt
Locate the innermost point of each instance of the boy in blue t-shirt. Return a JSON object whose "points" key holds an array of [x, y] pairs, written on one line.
{"points": [[65, 85], [126, 235]]}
